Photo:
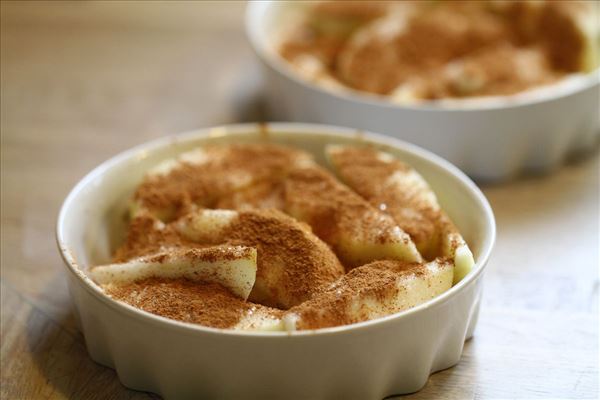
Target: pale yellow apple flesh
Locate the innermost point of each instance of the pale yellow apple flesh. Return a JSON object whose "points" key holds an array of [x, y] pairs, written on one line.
{"points": [[234, 267], [356, 231], [372, 291]]}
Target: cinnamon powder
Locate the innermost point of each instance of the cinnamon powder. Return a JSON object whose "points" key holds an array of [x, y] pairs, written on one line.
{"points": [[295, 268], [292, 263], [147, 235], [360, 168], [335, 305], [227, 169], [334, 211], [491, 38], [207, 304]]}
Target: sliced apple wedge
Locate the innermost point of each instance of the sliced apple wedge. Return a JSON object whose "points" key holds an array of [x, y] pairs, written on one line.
{"points": [[203, 303], [372, 291], [455, 248], [400, 191], [292, 261], [357, 231], [234, 267], [201, 177]]}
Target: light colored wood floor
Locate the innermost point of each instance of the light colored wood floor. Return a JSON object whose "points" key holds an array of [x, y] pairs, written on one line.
{"points": [[83, 81]]}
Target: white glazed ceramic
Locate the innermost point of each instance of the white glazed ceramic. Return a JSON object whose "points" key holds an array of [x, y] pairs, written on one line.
{"points": [[369, 360], [491, 140]]}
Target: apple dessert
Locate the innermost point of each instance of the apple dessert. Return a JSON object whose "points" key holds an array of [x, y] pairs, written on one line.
{"points": [[262, 237], [411, 51]]}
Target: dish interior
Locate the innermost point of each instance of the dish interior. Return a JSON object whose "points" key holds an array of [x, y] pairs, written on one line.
{"points": [[93, 220]]}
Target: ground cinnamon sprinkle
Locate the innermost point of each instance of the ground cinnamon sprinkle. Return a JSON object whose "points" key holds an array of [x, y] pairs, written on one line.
{"points": [[226, 169], [292, 262], [560, 36], [336, 304], [369, 176], [431, 40], [217, 253], [207, 304], [267, 194], [440, 49], [334, 211], [147, 235], [357, 11], [295, 269], [209, 254], [324, 41]]}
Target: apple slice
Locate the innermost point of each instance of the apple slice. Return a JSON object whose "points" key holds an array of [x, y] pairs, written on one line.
{"points": [[401, 192], [234, 267], [372, 291], [455, 248], [292, 261], [357, 231], [202, 303]]}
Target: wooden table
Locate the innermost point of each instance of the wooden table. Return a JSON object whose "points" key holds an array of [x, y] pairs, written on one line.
{"points": [[83, 81]]}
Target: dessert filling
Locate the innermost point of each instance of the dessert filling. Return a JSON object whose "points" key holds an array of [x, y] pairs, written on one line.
{"points": [[281, 243], [412, 51]]}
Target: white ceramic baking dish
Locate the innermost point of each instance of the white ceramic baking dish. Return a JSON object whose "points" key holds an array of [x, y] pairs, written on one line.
{"points": [[369, 360], [492, 139]]}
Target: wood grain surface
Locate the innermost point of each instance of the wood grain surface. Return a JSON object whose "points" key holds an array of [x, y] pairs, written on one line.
{"points": [[82, 81]]}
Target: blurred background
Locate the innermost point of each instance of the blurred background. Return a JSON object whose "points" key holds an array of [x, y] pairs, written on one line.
{"points": [[82, 81]]}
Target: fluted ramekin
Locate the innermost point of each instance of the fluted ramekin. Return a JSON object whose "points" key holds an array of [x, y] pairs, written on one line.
{"points": [[368, 360]]}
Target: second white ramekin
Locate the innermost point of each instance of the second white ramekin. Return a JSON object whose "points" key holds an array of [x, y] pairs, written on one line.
{"points": [[491, 140]]}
